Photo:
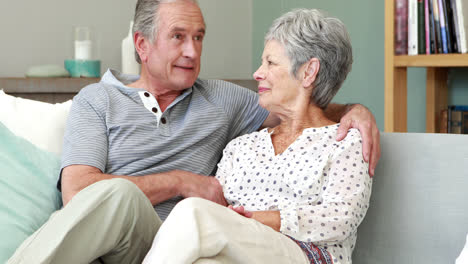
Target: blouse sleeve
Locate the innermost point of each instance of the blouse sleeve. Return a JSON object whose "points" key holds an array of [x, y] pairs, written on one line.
{"points": [[225, 164], [343, 202]]}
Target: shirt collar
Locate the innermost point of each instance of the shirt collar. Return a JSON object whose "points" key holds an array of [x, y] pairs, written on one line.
{"points": [[119, 79]]}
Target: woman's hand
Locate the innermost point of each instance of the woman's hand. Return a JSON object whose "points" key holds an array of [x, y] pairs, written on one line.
{"points": [[240, 210], [269, 218], [361, 118]]}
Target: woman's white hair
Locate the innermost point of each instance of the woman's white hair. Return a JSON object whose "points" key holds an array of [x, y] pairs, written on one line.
{"points": [[146, 19], [309, 33]]}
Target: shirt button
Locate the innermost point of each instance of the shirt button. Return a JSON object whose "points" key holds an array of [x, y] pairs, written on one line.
{"points": [[154, 109], [163, 120], [146, 94]]}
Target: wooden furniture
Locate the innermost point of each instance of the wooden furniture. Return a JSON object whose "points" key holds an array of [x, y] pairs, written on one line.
{"points": [[51, 90], [396, 80], [58, 90]]}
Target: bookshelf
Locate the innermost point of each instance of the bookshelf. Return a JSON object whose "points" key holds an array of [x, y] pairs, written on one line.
{"points": [[396, 67]]}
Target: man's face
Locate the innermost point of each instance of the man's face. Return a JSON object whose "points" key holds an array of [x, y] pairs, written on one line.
{"points": [[174, 58]]}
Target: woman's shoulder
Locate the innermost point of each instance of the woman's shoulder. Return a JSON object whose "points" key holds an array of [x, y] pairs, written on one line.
{"points": [[353, 135], [352, 143], [330, 132], [248, 139]]}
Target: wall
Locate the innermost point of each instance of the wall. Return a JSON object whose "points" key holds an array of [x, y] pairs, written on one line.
{"points": [[365, 84], [40, 32], [227, 49]]}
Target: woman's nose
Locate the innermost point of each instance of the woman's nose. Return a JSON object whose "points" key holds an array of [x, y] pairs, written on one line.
{"points": [[258, 75]]}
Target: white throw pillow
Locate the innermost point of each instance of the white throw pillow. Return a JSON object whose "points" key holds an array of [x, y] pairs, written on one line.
{"points": [[463, 258], [41, 123]]}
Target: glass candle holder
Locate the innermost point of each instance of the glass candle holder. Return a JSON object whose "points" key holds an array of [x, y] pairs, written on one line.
{"points": [[83, 43]]}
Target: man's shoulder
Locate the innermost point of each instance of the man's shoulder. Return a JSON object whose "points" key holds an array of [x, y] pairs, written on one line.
{"points": [[94, 92], [215, 85], [220, 91]]}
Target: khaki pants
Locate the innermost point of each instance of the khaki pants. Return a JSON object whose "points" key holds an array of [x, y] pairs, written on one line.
{"points": [[111, 221], [199, 231]]}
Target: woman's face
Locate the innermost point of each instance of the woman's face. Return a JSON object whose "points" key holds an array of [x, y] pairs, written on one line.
{"points": [[277, 88]]}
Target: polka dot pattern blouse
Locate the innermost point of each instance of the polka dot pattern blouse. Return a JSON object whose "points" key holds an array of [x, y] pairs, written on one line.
{"points": [[320, 186]]}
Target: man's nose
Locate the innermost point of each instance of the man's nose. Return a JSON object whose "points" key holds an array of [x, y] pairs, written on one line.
{"points": [[190, 49]]}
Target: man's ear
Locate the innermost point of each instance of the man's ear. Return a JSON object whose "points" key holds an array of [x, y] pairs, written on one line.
{"points": [[312, 68], [141, 46]]}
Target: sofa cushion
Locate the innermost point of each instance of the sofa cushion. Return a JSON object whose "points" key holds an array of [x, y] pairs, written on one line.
{"points": [[43, 124], [27, 188], [418, 209]]}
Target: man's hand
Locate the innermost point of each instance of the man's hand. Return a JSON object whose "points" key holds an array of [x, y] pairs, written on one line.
{"points": [[361, 118], [207, 187]]}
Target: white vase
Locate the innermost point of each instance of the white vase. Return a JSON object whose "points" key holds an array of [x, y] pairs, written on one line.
{"points": [[129, 63]]}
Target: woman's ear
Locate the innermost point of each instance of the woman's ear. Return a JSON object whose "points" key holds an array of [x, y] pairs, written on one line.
{"points": [[141, 46], [312, 68]]}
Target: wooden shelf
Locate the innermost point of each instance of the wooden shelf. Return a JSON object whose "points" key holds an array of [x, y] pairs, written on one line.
{"points": [[434, 60], [51, 90], [44, 85], [57, 90], [396, 68]]}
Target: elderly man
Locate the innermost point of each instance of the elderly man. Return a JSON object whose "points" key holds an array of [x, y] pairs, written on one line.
{"points": [[134, 143]]}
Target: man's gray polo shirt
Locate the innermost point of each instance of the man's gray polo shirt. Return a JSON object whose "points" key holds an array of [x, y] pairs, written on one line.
{"points": [[121, 130]]}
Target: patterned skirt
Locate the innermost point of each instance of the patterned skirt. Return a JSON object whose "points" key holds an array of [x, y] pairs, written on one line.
{"points": [[316, 255]]}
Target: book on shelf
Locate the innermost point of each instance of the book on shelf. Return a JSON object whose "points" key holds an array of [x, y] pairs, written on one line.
{"points": [[457, 119], [443, 28], [455, 122], [412, 27], [401, 27], [438, 36], [432, 32], [443, 121], [430, 27], [421, 28], [465, 122], [448, 25], [460, 10], [427, 27], [453, 26]]}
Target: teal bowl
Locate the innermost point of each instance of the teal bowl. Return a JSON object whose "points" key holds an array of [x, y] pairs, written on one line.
{"points": [[83, 68]]}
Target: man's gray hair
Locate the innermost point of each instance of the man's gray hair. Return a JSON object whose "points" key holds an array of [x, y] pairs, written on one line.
{"points": [[307, 34], [146, 19]]}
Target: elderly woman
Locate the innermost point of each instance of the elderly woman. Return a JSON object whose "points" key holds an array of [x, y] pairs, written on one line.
{"points": [[296, 195]]}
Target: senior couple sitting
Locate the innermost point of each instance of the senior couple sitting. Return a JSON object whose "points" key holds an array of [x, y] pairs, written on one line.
{"points": [[287, 193]]}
